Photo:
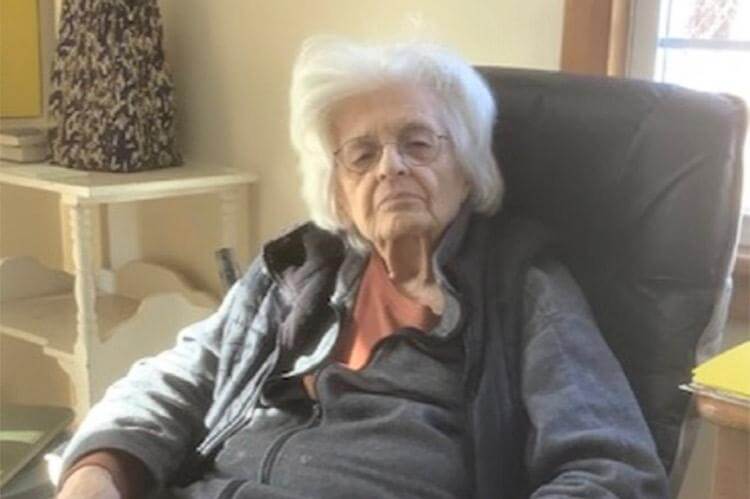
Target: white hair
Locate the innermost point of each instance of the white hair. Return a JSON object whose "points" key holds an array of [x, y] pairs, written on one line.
{"points": [[329, 69]]}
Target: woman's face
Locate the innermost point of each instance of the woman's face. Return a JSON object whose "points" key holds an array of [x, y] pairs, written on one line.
{"points": [[393, 198]]}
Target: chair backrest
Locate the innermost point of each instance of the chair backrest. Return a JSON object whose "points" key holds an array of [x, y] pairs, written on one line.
{"points": [[641, 182]]}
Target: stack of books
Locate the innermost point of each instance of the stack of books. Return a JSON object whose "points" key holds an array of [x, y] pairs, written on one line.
{"points": [[24, 145]]}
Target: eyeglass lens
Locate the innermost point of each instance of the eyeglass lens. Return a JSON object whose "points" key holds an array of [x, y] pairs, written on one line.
{"points": [[416, 145]]}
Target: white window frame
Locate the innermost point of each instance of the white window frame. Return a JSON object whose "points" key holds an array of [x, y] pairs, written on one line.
{"points": [[641, 64]]}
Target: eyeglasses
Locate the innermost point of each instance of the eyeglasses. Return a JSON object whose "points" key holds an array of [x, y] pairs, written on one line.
{"points": [[416, 145]]}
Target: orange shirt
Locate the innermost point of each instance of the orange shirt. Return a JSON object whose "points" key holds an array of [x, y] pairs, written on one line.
{"points": [[380, 310]]}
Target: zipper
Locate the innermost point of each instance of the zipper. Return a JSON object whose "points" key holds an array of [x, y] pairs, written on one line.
{"points": [[273, 451], [210, 445]]}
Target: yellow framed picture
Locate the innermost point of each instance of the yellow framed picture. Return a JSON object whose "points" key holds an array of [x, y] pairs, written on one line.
{"points": [[20, 61]]}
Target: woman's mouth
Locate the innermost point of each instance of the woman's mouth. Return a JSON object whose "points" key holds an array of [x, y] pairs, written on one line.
{"points": [[399, 197]]}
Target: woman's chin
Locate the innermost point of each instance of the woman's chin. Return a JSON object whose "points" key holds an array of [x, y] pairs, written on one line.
{"points": [[400, 225]]}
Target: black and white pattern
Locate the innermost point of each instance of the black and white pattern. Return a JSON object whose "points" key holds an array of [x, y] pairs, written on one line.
{"points": [[112, 95]]}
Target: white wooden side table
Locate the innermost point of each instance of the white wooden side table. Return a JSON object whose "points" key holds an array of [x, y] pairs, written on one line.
{"points": [[80, 194]]}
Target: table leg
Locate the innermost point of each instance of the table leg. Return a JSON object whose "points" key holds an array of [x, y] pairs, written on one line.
{"points": [[229, 205], [81, 220]]}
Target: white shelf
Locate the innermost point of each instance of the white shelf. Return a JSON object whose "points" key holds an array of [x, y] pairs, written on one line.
{"points": [[94, 335], [103, 187], [50, 321], [147, 306]]}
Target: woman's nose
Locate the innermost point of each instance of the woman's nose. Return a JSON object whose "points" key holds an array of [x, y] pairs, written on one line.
{"points": [[390, 162]]}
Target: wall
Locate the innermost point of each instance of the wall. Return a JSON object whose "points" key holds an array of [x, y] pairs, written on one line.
{"points": [[30, 224], [232, 63]]}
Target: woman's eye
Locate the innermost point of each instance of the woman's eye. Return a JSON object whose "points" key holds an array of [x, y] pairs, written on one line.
{"points": [[418, 149], [417, 144], [363, 157]]}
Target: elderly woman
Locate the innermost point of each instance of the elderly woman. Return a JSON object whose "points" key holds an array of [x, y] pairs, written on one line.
{"points": [[408, 342]]}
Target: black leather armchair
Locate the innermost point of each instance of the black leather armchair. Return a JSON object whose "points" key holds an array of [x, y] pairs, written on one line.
{"points": [[641, 182]]}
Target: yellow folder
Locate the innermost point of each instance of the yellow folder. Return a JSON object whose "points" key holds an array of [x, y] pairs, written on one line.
{"points": [[728, 372]]}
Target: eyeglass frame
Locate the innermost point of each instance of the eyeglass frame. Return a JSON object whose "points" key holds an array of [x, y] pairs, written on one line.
{"points": [[381, 148]]}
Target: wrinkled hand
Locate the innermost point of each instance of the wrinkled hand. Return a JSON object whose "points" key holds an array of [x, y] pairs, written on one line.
{"points": [[89, 482]]}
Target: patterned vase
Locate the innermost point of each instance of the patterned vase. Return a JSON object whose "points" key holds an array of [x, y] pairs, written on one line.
{"points": [[112, 95]]}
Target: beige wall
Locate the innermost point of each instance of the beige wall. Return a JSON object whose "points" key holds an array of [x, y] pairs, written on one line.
{"points": [[30, 224], [231, 61]]}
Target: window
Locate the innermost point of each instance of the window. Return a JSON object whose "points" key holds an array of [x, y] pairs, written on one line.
{"points": [[701, 44]]}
